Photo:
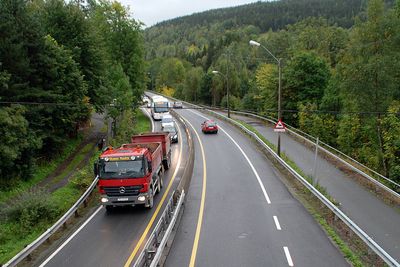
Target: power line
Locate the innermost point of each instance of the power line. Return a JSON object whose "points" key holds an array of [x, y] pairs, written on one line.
{"points": [[37, 103]]}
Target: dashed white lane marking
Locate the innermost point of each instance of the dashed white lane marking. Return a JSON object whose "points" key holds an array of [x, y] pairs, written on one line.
{"points": [[247, 158], [288, 257], [278, 226]]}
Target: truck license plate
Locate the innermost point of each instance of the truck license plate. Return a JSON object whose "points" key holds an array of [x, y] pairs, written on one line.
{"points": [[123, 199]]}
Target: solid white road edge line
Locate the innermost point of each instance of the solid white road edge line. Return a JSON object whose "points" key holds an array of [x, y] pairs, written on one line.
{"points": [[287, 253], [278, 226], [248, 160], [70, 238]]}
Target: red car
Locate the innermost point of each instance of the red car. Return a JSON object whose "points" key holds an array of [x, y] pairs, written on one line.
{"points": [[209, 126]]}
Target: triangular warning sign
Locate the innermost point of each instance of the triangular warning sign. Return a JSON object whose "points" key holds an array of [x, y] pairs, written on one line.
{"points": [[279, 126]]}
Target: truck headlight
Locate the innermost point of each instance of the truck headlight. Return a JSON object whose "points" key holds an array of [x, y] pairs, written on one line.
{"points": [[141, 198], [175, 136], [104, 200]]}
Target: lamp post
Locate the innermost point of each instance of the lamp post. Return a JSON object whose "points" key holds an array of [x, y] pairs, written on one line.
{"points": [[227, 89], [254, 43]]}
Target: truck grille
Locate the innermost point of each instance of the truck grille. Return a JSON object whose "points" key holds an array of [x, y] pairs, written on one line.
{"points": [[122, 190]]}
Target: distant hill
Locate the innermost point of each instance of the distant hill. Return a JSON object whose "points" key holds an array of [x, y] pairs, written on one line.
{"points": [[173, 37], [274, 15]]}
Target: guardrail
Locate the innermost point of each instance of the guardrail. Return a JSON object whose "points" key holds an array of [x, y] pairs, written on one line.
{"points": [[328, 149], [153, 249], [46, 235], [322, 146], [380, 252]]}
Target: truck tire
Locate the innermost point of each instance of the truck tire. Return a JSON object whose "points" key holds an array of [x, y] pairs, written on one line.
{"points": [[161, 181], [151, 199], [167, 162], [159, 184]]}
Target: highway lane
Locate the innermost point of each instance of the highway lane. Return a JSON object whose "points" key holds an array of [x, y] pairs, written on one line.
{"points": [[110, 239], [378, 219], [239, 227]]}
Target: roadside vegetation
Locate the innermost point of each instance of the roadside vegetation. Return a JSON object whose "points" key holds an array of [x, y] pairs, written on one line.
{"points": [[42, 170], [340, 62], [60, 61]]}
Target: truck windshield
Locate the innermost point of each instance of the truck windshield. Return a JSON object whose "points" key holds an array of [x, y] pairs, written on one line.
{"points": [[122, 169], [161, 107]]}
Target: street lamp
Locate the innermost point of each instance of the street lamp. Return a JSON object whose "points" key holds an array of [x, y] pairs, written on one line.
{"points": [[254, 43], [227, 89]]}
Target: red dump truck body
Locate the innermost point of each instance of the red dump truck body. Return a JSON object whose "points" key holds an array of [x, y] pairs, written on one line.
{"points": [[161, 137], [133, 173]]}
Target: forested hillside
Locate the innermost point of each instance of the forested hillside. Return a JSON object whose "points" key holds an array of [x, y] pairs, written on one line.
{"points": [[59, 61], [340, 65]]}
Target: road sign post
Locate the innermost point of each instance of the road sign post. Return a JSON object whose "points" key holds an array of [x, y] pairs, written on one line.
{"points": [[279, 128]]}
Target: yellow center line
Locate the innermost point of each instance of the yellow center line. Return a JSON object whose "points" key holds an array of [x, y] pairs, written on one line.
{"points": [[203, 199], [150, 224]]}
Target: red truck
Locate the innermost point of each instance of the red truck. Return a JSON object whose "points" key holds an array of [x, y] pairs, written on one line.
{"points": [[133, 173]]}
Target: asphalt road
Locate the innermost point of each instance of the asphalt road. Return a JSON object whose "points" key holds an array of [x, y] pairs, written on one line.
{"points": [[109, 239], [229, 220], [378, 219]]}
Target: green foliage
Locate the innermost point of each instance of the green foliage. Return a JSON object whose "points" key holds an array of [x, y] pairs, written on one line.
{"points": [[192, 87], [31, 208], [369, 65], [171, 74], [234, 102], [68, 25], [333, 71], [123, 42], [305, 78], [15, 140], [65, 58], [267, 85], [315, 34], [12, 187], [391, 137], [132, 122], [349, 135], [318, 125]]}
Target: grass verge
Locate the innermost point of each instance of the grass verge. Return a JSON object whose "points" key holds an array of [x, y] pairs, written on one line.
{"points": [[143, 124], [74, 163]]}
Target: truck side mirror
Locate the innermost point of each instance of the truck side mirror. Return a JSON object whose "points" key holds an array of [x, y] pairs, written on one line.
{"points": [[149, 166], [96, 168]]}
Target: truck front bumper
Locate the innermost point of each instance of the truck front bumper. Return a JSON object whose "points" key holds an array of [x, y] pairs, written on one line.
{"points": [[140, 199]]}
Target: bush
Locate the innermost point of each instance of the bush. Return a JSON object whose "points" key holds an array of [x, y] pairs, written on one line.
{"points": [[84, 178], [31, 208]]}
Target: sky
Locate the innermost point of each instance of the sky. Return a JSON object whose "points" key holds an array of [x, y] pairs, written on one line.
{"points": [[152, 11]]}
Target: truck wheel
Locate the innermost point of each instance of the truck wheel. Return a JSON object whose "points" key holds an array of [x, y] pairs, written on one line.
{"points": [[159, 186], [168, 162], [151, 199], [161, 182]]}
